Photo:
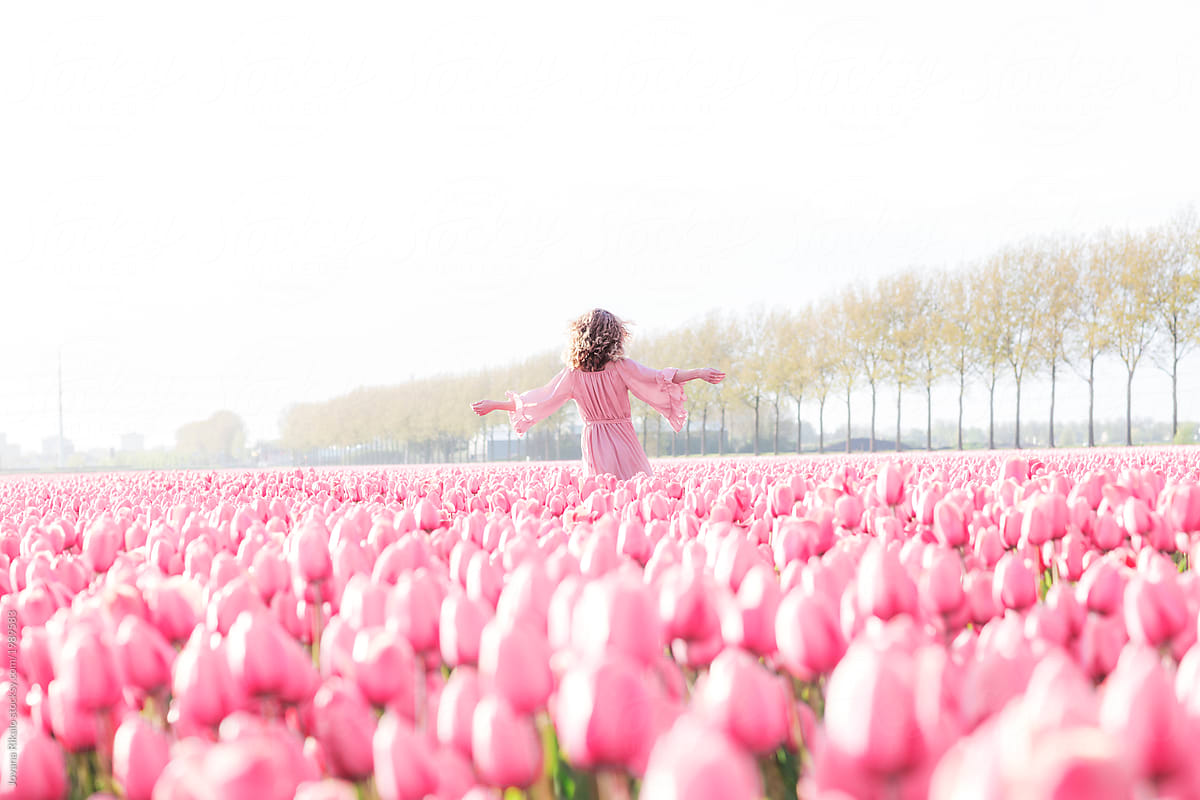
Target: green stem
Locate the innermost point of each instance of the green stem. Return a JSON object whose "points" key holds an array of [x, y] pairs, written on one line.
{"points": [[316, 639]]}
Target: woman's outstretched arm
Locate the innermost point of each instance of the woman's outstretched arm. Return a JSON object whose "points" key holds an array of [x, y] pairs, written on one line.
{"points": [[528, 407], [484, 407], [704, 373]]}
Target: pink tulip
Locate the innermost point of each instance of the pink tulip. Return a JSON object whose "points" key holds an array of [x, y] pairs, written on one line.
{"points": [[1014, 585], [1181, 507], [889, 485], [1015, 468], [143, 655], [693, 760], [34, 656], [515, 663], [849, 511], [1138, 705], [869, 711], [1155, 610], [308, 552], [745, 701], [255, 768], [616, 615], [1101, 588], [383, 667], [413, 609], [783, 498], [344, 724], [504, 744], [230, 601], [101, 542], [203, 688], [173, 607], [427, 515], [364, 603], [140, 753], [1107, 534], [748, 621], [1099, 644], [949, 523], [527, 590], [461, 622], [456, 710], [87, 670], [254, 648], [941, 585], [40, 766], [74, 726], [809, 638], [603, 713], [884, 588]]}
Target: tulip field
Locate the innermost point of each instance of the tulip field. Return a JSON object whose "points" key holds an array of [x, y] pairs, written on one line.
{"points": [[933, 625]]}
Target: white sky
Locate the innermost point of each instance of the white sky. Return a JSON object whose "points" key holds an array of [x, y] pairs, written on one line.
{"points": [[241, 205]]}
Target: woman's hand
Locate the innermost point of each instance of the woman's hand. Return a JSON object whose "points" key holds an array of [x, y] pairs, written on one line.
{"points": [[711, 375], [483, 407]]}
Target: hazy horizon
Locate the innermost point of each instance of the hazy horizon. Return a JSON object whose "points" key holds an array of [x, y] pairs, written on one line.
{"points": [[244, 207]]}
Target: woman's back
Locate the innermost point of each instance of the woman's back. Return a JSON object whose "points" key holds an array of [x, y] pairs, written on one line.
{"points": [[602, 395]]}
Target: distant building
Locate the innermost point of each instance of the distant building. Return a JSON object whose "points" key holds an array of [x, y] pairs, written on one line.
{"points": [[132, 443], [50, 446]]}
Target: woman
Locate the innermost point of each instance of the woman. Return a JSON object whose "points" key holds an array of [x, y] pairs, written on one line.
{"points": [[599, 378]]}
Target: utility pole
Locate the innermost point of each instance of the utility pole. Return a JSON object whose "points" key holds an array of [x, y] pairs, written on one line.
{"points": [[60, 413]]}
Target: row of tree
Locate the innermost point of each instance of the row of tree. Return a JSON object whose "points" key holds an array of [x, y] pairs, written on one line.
{"points": [[1029, 311]]}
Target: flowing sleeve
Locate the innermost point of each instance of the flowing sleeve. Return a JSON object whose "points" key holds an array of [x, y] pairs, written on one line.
{"points": [[656, 388], [537, 404]]}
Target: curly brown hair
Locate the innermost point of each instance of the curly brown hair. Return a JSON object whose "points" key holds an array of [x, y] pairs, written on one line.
{"points": [[596, 338]]}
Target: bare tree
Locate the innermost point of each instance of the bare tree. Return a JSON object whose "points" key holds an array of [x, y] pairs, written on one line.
{"points": [[987, 330], [1058, 294], [751, 378], [792, 368], [1021, 269], [1176, 297], [867, 332], [958, 301], [899, 303], [1089, 335], [825, 366], [1129, 313], [934, 337]]}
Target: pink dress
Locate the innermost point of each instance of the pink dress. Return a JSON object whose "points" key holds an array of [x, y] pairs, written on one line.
{"points": [[609, 441]]}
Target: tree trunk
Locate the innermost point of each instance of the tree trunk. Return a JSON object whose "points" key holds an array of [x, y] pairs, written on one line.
{"points": [[821, 426], [962, 387], [509, 455], [847, 419], [645, 433], [687, 436], [776, 450], [657, 436], [1017, 438], [1053, 373], [1091, 401], [899, 394], [756, 401], [721, 439], [992, 415], [1174, 393], [872, 416], [1129, 409], [704, 432], [799, 428], [929, 416]]}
